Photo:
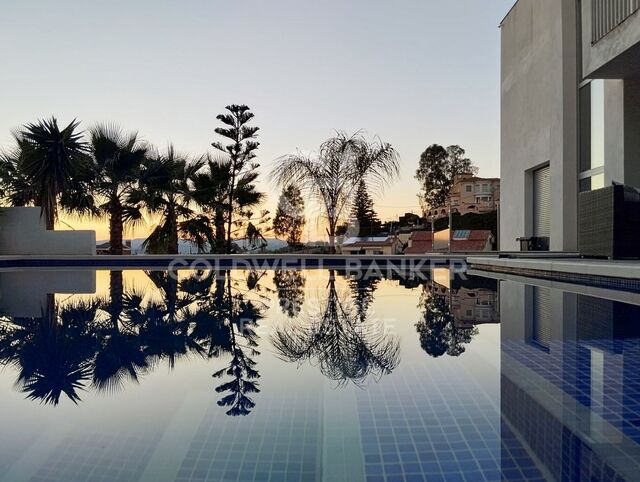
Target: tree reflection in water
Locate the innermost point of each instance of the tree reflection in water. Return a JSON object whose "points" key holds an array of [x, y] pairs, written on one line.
{"points": [[53, 353], [225, 325], [105, 343], [341, 339], [437, 328], [290, 287]]}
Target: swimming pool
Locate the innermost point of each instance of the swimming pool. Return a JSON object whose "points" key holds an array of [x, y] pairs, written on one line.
{"points": [[314, 375]]}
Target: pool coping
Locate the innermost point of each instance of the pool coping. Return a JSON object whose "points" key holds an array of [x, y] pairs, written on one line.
{"points": [[240, 261], [616, 274]]}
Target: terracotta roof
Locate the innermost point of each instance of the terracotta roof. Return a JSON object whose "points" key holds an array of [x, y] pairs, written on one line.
{"points": [[422, 242], [421, 236], [419, 247]]}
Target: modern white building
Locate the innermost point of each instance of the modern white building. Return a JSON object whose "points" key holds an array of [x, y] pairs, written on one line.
{"points": [[570, 87]]}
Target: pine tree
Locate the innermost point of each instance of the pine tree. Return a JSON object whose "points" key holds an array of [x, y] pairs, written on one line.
{"points": [[289, 219], [239, 154], [363, 212]]}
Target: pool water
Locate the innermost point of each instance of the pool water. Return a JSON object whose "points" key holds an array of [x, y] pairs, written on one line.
{"points": [[315, 375]]}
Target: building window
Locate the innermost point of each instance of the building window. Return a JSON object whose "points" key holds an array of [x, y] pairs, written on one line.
{"points": [[485, 188], [592, 183], [469, 188], [592, 151], [597, 123]]}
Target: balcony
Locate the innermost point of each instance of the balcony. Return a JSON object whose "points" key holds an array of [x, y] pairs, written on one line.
{"points": [[607, 15], [610, 39]]}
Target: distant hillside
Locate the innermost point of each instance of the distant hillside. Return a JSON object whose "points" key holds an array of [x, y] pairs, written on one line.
{"points": [[187, 247]]}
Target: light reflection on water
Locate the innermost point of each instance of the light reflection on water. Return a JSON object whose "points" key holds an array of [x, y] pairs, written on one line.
{"points": [[312, 375]]}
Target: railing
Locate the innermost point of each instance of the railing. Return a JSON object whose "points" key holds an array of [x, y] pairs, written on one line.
{"points": [[606, 15]]}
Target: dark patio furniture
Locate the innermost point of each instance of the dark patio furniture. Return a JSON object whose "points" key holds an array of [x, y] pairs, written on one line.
{"points": [[534, 243], [609, 222]]}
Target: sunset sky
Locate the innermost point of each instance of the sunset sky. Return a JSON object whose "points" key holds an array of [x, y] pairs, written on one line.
{"points": [[414, 72]]}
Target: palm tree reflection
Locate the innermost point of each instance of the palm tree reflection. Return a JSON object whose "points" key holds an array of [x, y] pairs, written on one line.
{"points": [[52, 353], [341, 339], [106, 343]]}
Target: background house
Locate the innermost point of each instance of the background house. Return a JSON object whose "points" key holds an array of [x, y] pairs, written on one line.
{"points": [[471, 194], [371, 245], [463, 240]]}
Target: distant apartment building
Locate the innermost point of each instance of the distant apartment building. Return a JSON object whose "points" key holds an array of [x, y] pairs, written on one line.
{"points": [[570, 88], [471, 194]]}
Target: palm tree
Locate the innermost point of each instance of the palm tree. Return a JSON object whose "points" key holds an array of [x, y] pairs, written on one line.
{"points": [[16, 189], [47, 167], [331, 177], [118, 158], [56, 163], [166, 189]]}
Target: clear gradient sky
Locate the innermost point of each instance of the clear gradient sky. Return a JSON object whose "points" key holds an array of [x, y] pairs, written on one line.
{"points": [[414, 72]]}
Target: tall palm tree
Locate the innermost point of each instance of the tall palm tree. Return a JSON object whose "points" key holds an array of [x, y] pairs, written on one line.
{"points": [[332, 177], [118, 158], [166, 189], [15, 188], [48, 167]]}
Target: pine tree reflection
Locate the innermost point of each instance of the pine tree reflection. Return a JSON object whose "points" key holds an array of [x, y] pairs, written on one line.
{"points": [[341, 339], [224, 324]]}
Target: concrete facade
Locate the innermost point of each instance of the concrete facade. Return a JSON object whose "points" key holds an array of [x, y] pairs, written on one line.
{"points": [[22, 232], [539, 118], [570, 100]]}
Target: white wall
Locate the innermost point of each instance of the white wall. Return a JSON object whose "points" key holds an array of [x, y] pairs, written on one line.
{"points": [[539, 118], [24, 293], [597, 58], [22, 232]]}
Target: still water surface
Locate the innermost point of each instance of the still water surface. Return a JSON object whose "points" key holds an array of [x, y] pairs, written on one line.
{"points": [[314, 375]]}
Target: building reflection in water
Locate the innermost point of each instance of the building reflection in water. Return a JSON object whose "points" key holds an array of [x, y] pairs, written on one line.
{"points": [[451, 308], [570, 384]]}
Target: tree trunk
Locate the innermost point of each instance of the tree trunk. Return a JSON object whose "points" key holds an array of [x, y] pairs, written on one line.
{"points": [[50, 222], [332, 238], [230, 211], [116, 227], [450, 225], [116, 291], [220, 245], [172, 245]]}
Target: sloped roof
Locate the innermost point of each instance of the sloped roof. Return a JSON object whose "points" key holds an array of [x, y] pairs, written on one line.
{"points": [[422, 242], [368, 241]]}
